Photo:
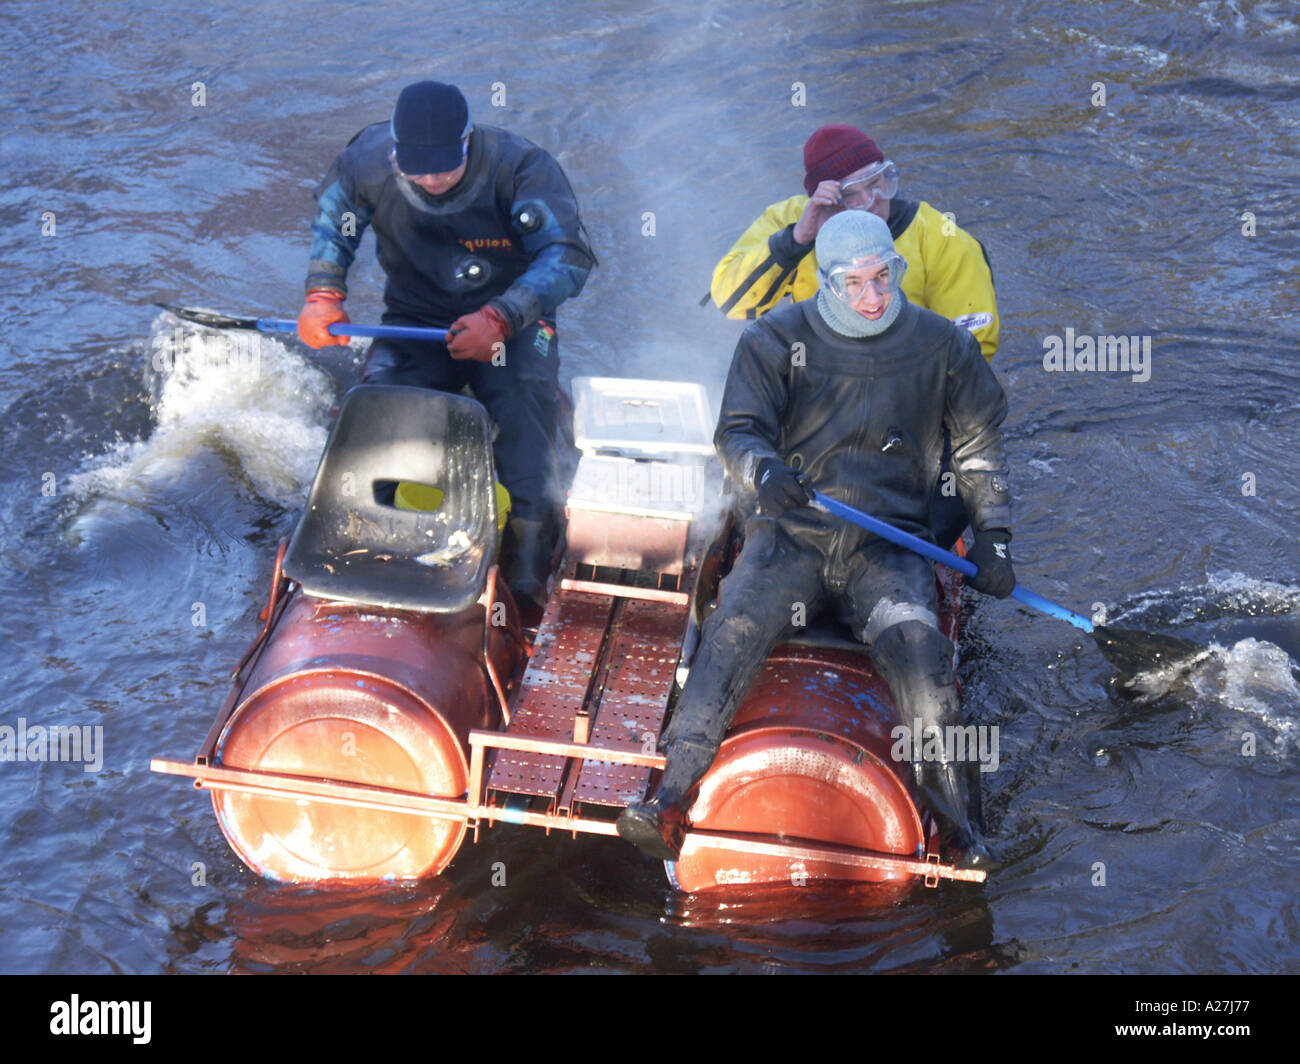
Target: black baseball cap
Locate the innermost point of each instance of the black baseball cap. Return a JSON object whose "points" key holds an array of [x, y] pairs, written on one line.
{"points": [[429, 123]]}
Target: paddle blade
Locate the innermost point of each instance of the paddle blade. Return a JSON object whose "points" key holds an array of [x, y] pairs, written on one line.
{"points": [[209, 318], [1132, 652]]}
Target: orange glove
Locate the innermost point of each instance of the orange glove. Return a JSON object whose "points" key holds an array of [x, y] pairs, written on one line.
{"points": [[323, 308], [473, 335]]}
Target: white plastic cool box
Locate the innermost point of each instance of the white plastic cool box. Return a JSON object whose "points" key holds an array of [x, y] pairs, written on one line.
{"points": [[641, 418]]}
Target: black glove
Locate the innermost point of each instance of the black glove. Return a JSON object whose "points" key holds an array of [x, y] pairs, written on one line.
{"points": [[991, 555], [780, 488]]}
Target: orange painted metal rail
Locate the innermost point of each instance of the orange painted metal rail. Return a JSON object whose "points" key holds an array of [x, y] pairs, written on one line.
{"points": [[281, 785]]}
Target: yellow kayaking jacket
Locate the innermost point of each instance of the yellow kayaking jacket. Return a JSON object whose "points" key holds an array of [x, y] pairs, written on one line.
{"points": [[947, 269]]}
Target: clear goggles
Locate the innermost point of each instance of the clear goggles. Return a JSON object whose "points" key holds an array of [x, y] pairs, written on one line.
{"points": [[880, 182], [881, 273]]}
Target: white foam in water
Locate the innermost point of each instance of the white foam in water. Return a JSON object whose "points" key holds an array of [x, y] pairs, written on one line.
{"points": [[1229, 593], [1258, 679], [240, 394], [1252, 676], [1241, 591], [1274, 19]]}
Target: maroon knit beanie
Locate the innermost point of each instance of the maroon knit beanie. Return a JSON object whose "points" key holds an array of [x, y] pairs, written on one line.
{"points": [[834, 152]]}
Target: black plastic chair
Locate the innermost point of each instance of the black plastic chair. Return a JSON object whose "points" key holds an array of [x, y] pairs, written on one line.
{"points": [[351, 547]]}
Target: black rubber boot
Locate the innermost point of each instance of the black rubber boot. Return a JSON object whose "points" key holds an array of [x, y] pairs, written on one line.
{"points": [[953, 798], [916, 662], [530, 563], [658, 825], [974, 800], [978, 854]]}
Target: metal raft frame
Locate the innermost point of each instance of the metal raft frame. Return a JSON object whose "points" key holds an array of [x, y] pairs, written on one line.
{"points": [[580, 728], [563, 766]]}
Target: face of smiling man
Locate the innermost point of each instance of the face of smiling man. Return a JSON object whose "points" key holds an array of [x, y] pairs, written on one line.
{"points": [[860, 275], [868, 288]]}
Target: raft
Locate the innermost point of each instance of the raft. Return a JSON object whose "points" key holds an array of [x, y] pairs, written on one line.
{"points": [[392, 705]]}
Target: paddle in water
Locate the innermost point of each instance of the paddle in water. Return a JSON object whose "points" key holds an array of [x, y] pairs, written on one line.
{"points": [[213, 320], [1128, 650]]}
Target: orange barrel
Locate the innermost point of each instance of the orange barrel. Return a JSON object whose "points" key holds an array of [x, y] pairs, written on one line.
{"points": [[360, 694], [807, 757]]}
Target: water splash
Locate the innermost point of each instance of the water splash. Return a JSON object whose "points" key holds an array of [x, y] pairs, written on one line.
{"points": [[1252, 677], [1259, 679], [1224, 595], [1250, 630], [242, 396]]}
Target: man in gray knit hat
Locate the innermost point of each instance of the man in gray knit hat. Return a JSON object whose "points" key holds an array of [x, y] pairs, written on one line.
{"points": [[847, 393], [478, 232]]}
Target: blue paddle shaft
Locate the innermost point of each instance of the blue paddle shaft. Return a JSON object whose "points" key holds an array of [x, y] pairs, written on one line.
{"points": [[943, 557], [393, 332]]}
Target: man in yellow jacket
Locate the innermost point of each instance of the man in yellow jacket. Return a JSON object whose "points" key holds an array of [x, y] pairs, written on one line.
{"points": [[947, 269]]}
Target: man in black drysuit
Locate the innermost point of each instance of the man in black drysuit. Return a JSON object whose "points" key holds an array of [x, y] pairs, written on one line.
{"points": [[849, 394], [477, 231]]}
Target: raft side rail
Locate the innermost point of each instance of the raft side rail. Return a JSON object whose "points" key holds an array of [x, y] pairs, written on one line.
{"points": [[368, 796], [316, 788], [805, 851], [927, 868]]}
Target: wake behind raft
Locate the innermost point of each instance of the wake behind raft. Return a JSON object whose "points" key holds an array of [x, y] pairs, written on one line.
{"points": [[391, 703]]}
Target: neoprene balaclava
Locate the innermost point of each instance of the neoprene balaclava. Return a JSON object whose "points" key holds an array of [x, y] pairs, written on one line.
{"points": [[843, 239]]}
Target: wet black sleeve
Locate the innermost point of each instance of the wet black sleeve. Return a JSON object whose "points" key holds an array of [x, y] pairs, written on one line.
{"points": [[544, 212], [753, 403], [974, 409], [341, 218], [787, 251]]}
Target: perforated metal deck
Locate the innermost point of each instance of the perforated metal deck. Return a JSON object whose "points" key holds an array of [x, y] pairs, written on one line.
{"points": [[553, 690], [643, 660]]}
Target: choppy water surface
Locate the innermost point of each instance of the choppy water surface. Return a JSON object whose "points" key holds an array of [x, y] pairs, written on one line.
{"points": [[1171, 502]]}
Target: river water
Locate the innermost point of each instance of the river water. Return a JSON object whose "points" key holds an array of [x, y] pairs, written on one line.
{"points": [[168, 152]]}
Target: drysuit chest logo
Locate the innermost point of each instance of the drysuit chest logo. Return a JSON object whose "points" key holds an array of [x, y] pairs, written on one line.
{"points": [[478, 243]]}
